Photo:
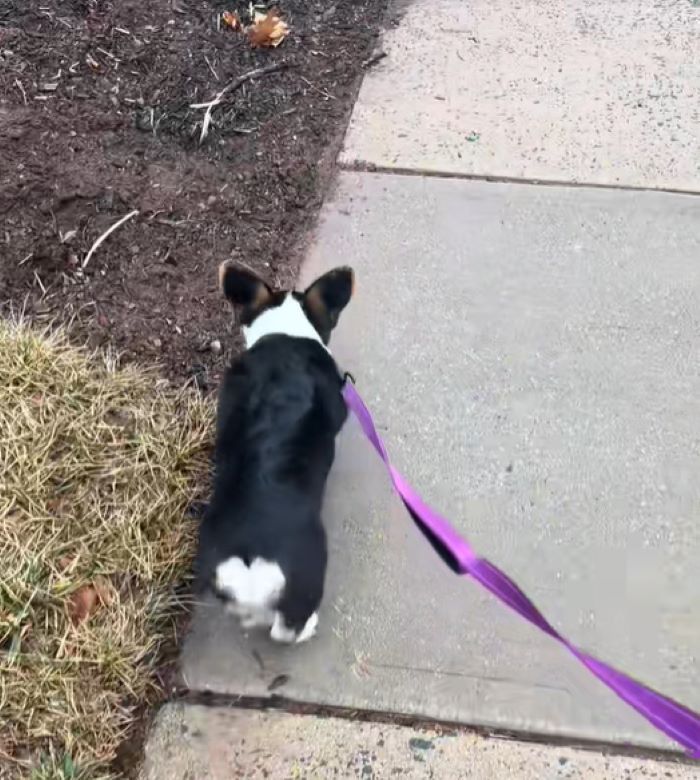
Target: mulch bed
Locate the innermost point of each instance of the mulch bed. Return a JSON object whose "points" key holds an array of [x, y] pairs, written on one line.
{"points": [[96, 121]]}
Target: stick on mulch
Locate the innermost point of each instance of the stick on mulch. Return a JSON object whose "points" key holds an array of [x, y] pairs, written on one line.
{"points": [[107, 233], [232, 87]]}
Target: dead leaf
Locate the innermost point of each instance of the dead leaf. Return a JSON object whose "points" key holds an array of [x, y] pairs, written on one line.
{"points": [[82, 604], [278, 682], [230, 19], [86, 599], [268, 29], [104, 591], [57, 505], [65, 561]]}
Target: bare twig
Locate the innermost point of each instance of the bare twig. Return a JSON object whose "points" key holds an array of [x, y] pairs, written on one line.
{"points": [[211, 68], [318, 89], [107, 233], [172, 222], [20, 87], [231, 87], [108, 54], [41, 284], [374, 59]]}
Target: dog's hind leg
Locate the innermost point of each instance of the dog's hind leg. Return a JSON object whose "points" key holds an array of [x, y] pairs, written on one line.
{"points": [[281, 632], [296, 617]]}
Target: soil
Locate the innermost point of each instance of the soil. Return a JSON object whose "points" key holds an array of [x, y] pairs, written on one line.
{"points": [[97, 121]]}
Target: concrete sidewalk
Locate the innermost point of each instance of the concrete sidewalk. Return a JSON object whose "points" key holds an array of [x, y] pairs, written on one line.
{"points": [[531, 354], [222, 743], [549, 90]]}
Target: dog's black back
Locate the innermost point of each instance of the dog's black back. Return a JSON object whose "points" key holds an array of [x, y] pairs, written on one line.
{"points": [[280, 409], [262, 544]]}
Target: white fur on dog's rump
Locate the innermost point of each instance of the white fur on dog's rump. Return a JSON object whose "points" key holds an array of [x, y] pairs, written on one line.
{"points": [[280, 632], [254, 590], [287, 319]]}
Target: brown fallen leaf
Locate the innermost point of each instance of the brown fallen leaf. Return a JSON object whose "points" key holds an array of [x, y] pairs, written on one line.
{"points": [[82, 604], [230, 19], [104, 591], [65, 561], [84, 601], [268, 29]]}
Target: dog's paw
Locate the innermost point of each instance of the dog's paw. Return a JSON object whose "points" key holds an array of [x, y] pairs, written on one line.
{"points": [[279, 631], [309, 629]]}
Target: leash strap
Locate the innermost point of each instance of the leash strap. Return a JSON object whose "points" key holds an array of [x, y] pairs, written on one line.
{"points": [[673, 719]]}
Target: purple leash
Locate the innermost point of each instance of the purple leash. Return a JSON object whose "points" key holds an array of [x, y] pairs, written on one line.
{"points": [[676, 721]]}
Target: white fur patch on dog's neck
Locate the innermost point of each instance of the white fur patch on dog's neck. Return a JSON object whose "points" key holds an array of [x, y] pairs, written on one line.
{"points": [[287, 319]]}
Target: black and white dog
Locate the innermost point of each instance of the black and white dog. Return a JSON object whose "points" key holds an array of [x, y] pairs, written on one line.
{"points": [[262, 545]]}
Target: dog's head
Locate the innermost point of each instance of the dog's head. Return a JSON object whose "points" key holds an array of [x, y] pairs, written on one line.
{"points": [[263, 311]]}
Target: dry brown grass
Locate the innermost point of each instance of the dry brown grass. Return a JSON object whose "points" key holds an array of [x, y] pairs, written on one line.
{"points": [[97, 469]]}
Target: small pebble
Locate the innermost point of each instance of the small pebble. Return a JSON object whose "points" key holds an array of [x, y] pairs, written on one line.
{"points": [[215, 346]]}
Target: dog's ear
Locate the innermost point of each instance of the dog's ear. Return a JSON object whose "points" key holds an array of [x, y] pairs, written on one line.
{"points": [[326, 298], [243, 288]]}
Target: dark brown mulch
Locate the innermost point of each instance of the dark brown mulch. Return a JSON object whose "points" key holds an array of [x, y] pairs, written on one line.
{"points": [[96, 121]]}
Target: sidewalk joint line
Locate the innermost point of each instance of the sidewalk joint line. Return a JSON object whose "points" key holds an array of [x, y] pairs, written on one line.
{"points": [[278, 703], [361, 167]]}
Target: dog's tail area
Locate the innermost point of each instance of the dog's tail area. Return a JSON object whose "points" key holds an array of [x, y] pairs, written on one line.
{"points": [[258, 585]]}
